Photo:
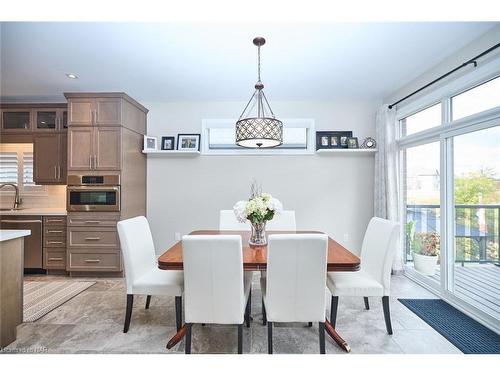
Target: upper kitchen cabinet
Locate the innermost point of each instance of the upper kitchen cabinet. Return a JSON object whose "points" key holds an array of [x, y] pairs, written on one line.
{"points": [[49, 155], [106, 109], [16, 120], [50, 119]]}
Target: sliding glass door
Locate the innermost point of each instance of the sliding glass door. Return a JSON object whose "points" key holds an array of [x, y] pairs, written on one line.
{"points": [[450, 197]]}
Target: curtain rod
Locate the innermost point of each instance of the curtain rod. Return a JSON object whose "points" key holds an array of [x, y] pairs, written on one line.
{"points": [[468, 62]]}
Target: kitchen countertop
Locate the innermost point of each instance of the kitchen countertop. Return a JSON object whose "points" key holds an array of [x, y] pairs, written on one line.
{"points": [[10, 234], [35, 211]]}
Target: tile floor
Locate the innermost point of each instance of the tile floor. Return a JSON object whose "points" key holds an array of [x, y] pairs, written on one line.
{"points": [[92, 322]]}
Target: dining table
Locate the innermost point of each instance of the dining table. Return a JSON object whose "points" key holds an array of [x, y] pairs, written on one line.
{"points": [[339, 259]]}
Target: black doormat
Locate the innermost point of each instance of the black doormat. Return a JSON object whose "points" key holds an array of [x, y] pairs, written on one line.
{"points": [[461, 330]]}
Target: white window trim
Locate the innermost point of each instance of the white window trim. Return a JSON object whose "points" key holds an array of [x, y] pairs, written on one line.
{"points": [[308, 123], [444, 134]]}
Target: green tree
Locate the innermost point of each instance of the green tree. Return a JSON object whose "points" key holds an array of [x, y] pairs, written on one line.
{"points": [[476, 186]]}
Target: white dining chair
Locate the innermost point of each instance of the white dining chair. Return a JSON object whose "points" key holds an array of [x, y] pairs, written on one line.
{"points": [[216, 291], [142, 275], [374, 278], [284, 221], [294, 290], [228, 221]]}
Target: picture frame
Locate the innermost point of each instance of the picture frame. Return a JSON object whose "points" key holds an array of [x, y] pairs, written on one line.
{"points": [[352, 142], [167, 143], [332, 139], [188, 142], [150, 143]]}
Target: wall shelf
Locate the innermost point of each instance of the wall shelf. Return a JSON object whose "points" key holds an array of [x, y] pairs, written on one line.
{"points": [[347, 151], [171, 153]]}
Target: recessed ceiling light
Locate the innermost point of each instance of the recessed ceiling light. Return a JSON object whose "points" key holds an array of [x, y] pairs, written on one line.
{"points": [[71, 75]]}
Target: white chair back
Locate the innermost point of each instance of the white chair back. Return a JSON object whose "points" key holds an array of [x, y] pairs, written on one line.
{"points": [[228, 221], [213, 279], [378, 250], [137, 248], [296, 277], [283, 221]]}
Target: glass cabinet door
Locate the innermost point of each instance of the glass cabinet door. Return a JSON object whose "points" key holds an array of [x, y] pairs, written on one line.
{"points": [[46, 119], [16, 120]]}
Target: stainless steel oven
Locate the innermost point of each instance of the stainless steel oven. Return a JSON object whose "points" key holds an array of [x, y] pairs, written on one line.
{"points": [[93, 193]]}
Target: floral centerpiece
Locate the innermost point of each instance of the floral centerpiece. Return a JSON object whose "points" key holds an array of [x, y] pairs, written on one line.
{"points": [[259, 209]]}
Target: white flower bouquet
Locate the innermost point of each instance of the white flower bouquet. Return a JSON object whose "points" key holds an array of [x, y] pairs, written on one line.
{"points": [[258, 210]]}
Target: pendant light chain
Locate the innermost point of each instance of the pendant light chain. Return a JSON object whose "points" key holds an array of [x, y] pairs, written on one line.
{"points": [[258, 62]]}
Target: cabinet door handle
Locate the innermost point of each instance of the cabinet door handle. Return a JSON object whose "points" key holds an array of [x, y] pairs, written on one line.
{"points": [[54, 231], [54, 220], [55, 172], [95, 161], [92, 221], [55, 242], [95, 116], [55, 259], [92, 238], [92, 260], [90, 161]]}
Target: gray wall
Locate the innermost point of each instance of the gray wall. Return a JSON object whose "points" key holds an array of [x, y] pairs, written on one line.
{"points": [[331, 193]]}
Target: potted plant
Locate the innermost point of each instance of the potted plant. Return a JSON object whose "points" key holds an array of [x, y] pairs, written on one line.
{"points": [[425, 248]]}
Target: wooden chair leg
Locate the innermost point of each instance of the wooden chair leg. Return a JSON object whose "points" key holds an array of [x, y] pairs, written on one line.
{"points": [[128, 312], [248, 309], [240, 338], [387, 314], [321, 338], [264, 316], [333, 310], [148, 301], [178, 312], [188, 338], [367, 303], [269, 337], [310, 324]]}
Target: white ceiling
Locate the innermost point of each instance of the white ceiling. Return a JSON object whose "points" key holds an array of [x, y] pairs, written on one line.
{"points": [[178, 62]]}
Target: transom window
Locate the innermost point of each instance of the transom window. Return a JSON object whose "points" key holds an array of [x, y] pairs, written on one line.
{"points": [[219, 138]]}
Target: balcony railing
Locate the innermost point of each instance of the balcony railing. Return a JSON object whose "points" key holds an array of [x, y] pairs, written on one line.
{"points": [[477, 228]]}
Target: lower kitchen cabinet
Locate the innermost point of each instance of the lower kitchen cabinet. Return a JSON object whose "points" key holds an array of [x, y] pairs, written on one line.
{"points": [[54, 242], [94, 261]]}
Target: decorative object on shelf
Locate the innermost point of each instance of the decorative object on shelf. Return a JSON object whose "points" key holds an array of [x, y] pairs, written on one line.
{"points": [[352, 142], [369, 143], [188, 142], [167, 143], [150, 143], [261, 129], [332, 139], [259, 209]]}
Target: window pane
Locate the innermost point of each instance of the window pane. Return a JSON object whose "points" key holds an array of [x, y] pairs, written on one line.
{"points": [[422, 202], [28, 169], [425, 119], [8, 167], [477, 99]]}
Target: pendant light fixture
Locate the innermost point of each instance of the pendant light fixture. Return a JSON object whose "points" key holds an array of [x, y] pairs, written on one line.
{"points": [[257, 126]]}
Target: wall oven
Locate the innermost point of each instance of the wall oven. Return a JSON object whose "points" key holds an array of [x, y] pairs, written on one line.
{"points": [[93, 193]]}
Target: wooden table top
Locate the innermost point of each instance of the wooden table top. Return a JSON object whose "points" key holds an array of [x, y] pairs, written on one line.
{"points": [[255, 257]]}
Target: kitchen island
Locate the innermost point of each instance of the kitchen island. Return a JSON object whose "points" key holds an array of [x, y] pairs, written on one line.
{"points": [[11, 283]]}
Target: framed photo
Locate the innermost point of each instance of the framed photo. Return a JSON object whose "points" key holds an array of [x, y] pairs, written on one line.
{"points": [[150, 143], [332, 139], [352, 142], [167, 143], [188, 142]]}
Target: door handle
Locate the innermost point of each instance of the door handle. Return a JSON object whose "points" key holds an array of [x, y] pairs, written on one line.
{"points": [[54, 231], [92, 238], [55, 242], [92, 222], [21, 221], [95, 161], [54, 220], [95, 116], [90, 161], [92, 260], [55, 259], [55, 172]]}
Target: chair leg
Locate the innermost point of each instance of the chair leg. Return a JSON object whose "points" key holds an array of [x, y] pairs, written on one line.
{"points": [[310, 324], [188, 338], [148, 301], [178, 312], [333, 310], [264, 316], [248, 309], [240, 338], [321, 338], [269, 337], [387, 314], [367, 303], [128, 312]]}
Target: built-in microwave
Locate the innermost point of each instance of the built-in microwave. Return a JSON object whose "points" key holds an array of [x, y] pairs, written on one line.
{"points": [[93, 193]]}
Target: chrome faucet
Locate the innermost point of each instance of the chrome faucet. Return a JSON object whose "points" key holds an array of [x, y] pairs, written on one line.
{"points": [[17, 200]]}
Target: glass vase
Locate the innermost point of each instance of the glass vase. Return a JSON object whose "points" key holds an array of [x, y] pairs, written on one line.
{"points": [[258, 235]]}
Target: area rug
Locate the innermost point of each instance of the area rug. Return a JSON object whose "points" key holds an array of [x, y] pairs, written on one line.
{"points": [[41, 297], [461, 330]]}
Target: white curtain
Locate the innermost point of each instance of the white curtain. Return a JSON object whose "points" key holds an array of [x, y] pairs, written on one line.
{"points": [[386, 197]]}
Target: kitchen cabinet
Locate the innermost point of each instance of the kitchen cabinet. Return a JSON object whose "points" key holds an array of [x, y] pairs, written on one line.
{"points": [[94, 148], [54, 242], [95, 111], [16, 120], [50, 119], [49, 158]]}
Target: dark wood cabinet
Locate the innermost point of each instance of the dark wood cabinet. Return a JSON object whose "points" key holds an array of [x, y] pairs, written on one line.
{"points": [[94, 111], [49, 155]]}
